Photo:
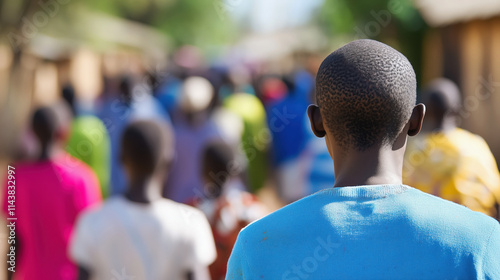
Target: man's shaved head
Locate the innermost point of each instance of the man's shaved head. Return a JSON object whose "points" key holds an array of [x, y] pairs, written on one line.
{"points": [[366, 92]]}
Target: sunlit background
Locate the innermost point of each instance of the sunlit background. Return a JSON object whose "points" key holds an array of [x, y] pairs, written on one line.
{"points": [[45, 45]]}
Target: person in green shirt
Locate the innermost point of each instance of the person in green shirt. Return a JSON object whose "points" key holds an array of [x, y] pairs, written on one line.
{"points": [[256, 136], [89, 142]]}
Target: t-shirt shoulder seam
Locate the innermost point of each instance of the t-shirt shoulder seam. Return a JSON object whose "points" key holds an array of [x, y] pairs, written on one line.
{"points": [[358, 191]]}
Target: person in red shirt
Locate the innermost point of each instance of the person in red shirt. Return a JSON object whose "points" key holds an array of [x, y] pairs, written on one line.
{"points": [[227, 205]]}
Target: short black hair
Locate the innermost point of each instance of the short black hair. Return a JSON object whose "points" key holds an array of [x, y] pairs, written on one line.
{"points": [[146, 144], [68, 95], [289, 81], [366, 91], [44, 124], [216, 165], [442, 96], [125, 89]]}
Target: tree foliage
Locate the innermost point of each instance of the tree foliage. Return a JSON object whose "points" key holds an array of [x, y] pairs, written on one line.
{"points": [[198, 22], [396, 22]]}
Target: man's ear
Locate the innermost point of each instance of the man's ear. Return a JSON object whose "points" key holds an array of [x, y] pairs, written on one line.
{"points": [[416, 119], [316, 121]]}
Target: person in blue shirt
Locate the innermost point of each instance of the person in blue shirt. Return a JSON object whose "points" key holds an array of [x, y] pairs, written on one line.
{"points": [[132, 101], [368, 225]]}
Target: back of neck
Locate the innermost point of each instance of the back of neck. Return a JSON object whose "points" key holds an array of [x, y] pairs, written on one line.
{"points": [[48, 152], [144, 190], [376, 166]]}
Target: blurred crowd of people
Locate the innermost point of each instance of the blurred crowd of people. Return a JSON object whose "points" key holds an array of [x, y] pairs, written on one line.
{"points": [[208, 137], [234, 131]]}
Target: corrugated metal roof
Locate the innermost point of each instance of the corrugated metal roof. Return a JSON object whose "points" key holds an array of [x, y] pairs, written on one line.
{"points": [[445, 12]]}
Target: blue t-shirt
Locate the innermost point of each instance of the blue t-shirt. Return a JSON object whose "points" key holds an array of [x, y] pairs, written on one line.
{"points": [[116, 116], [369, 232]]}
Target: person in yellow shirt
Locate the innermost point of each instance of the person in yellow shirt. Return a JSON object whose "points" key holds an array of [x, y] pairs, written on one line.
{"points": [[448, 161]]}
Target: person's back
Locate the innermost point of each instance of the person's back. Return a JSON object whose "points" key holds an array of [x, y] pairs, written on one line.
{"points": [[185, 183], [227, 205], [369, 232], [458, 166], [193, 129], [369, 225], [89, 142], [255, 135], [451, 162], [49, 195], [116, 112], [160, 240], [141, 234]]}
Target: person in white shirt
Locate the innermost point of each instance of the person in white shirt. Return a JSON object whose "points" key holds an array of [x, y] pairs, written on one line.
{"points": [[142, 235]]}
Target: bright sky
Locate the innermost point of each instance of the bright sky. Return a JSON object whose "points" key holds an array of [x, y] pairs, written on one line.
{"points": [[272, 15]]}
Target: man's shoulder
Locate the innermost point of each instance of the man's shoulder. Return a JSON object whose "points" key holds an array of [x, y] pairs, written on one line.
{"points": [[433, 206], [445, 219], [425, 211]]}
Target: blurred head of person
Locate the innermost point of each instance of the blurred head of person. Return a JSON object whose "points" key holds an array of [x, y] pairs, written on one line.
{"points": [[188, 57], [290, 83], [125, 89], [197, 94], [272, 89], [217, 161], [366, 93], [147, 152], [239, 77], [68, 95], [51, 126], [153, 80], [443, 101]]}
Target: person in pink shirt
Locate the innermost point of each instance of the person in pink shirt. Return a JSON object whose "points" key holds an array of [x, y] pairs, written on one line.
{"points": [[49, 195]]}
